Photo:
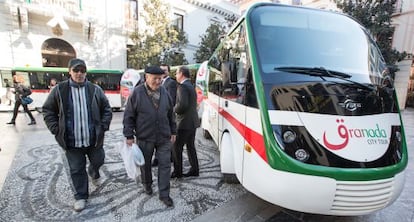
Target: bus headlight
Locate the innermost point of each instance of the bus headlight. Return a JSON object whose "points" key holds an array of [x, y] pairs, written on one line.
{"points": [[289, 136], [301, 155]]}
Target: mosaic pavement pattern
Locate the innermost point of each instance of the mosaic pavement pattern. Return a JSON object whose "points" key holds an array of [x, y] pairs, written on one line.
{"points": [[37, 188]]}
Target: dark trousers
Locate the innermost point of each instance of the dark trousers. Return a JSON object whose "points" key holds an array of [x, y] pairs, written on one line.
{"points": [[163, 154], [77, 163], [187, 137], [16, 110]]}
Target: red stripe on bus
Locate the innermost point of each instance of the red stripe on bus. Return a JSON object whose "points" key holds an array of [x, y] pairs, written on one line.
{"points": [[252, 137], [112, 92]]}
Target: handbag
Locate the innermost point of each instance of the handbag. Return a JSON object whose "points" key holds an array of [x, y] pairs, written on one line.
{"points": [[26, 100]]}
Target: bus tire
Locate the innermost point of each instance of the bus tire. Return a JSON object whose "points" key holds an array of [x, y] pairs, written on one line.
{"points": [[206, 134], [230, 178]]}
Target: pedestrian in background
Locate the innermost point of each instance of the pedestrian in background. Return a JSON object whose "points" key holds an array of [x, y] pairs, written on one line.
{"points": [[149, 117], [53, 83], [169, 83], [78, 113], [20, 92], [187, 122], [171, 86]]}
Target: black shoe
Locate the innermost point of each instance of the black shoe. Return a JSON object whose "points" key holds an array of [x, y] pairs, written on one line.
{"points": [[176, 175], [154, 162], [191, 174], [32, 123], [167, 201], [148, 189], [11, 123]]}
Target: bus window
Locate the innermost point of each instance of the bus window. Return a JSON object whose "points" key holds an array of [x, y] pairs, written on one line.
{"points": [[6, 82], [107, 81], [234, 66], [39, 78], [250, 98], [24, 77]]}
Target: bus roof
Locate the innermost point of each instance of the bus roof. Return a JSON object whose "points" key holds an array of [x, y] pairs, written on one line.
{"points": [[63, 69]]}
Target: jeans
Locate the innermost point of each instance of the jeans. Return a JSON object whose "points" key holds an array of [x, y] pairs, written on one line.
{"points": [[77, 163]]}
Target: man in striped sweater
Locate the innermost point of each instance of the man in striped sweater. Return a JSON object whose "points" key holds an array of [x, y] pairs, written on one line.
{"points": [[78, 113]]}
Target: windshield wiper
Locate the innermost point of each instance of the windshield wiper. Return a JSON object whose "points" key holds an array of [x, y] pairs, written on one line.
{"points": [[322, 72]]}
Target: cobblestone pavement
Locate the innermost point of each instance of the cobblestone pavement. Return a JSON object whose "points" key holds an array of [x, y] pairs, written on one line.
{"points": [[37, 187]]}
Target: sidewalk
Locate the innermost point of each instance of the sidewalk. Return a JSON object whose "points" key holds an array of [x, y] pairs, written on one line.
{"points": [[7, 108], [37, 185]]}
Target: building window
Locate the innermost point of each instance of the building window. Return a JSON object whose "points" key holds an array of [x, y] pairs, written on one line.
{"points": [[399, 6], [178, 21], [131, 14], [129, 52]]}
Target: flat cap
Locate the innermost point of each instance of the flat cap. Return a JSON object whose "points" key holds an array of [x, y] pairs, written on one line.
{"points": [[76, 62], [155, 70]]}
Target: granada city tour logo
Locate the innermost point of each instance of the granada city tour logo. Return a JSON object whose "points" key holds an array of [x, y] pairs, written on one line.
{"points": [[373, 136]]}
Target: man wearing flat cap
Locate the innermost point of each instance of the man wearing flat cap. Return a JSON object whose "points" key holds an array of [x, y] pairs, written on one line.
{"points": [[78, 113], [149, 121]]}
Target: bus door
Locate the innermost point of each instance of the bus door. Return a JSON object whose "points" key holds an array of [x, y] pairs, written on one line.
{"points": [[208, 81], [232, 121], [232, 118]]}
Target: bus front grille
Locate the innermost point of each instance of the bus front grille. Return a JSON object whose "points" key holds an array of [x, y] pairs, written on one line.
{"points": [[357, 198]]}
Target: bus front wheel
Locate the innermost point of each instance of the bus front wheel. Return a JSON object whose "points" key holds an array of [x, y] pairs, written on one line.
{"points": [[206, 134], [227, 160]]}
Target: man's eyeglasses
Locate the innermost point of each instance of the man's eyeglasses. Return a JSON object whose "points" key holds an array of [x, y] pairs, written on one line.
{"points": [[79, 70]]}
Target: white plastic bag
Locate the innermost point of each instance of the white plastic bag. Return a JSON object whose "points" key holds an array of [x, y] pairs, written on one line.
{"points": [[138, 156], [132, 157]]}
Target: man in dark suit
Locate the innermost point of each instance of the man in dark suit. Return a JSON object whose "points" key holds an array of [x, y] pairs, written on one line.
{"points": [[187, 122], [169, 83]]}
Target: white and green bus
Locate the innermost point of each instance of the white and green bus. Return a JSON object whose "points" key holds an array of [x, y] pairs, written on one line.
{"points": [[301, 106], [38, 79]]}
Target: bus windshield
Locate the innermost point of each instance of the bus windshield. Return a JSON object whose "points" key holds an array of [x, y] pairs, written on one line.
{"points": [[287, 37]]}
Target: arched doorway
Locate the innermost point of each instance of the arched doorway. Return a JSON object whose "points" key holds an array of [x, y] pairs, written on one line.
{"points": [[57, 53]]}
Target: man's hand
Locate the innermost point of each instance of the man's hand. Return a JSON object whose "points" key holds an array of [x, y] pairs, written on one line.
{"points": [[173, 138]]}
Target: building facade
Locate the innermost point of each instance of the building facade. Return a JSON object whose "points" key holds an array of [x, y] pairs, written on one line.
{"points": [[196, 16], [403, 21], [36, 33]]}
